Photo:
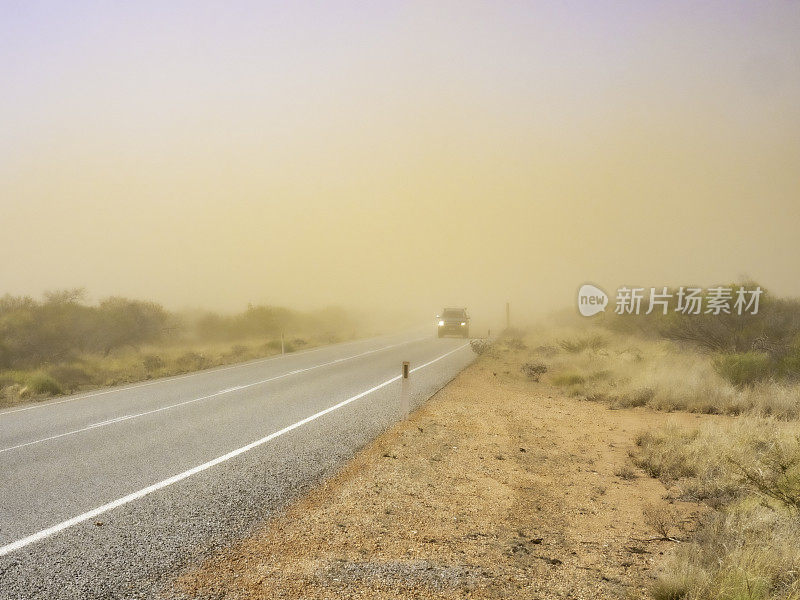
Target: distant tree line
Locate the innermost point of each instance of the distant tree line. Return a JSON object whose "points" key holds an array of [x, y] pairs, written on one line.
{"points": [[63, 326], [271, 321]]}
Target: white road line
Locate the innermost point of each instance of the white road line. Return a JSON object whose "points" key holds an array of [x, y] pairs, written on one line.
{"points": [[193, 400], [187, 375], [46, 533]]}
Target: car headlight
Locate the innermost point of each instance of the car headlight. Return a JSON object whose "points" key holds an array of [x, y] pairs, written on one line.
{"points": [[441, 323], [463, 323]]}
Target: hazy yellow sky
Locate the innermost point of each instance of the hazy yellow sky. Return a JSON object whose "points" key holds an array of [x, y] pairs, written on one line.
{"points": [[400, 154]]}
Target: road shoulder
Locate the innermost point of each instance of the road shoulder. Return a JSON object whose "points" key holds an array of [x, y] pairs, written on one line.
{"points": [[498, 487]]}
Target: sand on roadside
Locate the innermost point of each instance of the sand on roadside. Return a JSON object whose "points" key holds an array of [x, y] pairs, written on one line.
{"points": [[499, 487]]}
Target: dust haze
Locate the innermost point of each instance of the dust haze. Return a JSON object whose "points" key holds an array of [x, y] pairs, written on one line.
{"points": [[397, 156]]}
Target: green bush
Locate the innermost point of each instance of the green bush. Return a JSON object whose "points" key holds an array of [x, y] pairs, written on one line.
{"points": [[744, 368], [789, 365], [63, 327], [775, 473], [41, 383]]}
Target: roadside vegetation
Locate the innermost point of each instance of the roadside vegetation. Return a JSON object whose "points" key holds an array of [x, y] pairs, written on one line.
{"points": [[63, 344], [744, 464], [748, 471]]}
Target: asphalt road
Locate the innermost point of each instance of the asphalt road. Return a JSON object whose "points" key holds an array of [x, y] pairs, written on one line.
{"points": [[109, 494]]}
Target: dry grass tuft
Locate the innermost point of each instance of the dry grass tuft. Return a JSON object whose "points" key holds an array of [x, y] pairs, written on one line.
{"points": [[661, 519], [625, 472], [749, 471], [665, 376]]}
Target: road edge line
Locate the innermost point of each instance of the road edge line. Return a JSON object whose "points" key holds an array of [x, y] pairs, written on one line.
{"points": [[50, 531]]}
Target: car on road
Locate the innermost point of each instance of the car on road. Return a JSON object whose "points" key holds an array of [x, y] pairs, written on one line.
{"points": [[453, 321]]}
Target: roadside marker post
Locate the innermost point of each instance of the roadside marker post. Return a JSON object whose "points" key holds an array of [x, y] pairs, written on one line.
{"points": [[404, 393]]}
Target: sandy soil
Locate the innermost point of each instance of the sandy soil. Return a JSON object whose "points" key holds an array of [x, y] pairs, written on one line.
{"points": [[498, 488]]}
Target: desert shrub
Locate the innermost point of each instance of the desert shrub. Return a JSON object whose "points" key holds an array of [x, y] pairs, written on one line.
{"points": [[789, 365], [62, 327], [747, 551], [534, 370], [722, 462], [190, 361], [568, 379], [152, 362], [744, 368], [71, 376], [11, 393], [126, 322], [774, 330], [775, 473], [599, 396], [631, 353], [579, 344], [480, 346], [262, 321], [635, 398], [769, 399], [12, 378], [238, 351], [748, 471], [745, 470], [546, 350], [572, 346], [625, 472], [6, 356], [665, 376], [678, 581], [515, 344], [40, 383], [668, 454], [599, 375], [670, 589], [661, 519]]}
